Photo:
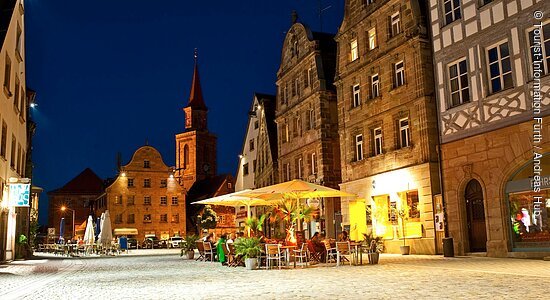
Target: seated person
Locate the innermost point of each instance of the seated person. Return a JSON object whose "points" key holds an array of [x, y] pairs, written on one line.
{"points": [[343, 237], [317, 240], [231, 238]]}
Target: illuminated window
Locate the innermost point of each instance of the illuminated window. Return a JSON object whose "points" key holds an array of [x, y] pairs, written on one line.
{"points": [[147, 218], [373, 43], [500, 67], [354, 54], [377, 140], [359, 147], [175, 218], [118, 200], [412, 203], [356, 95], [375, 86]]}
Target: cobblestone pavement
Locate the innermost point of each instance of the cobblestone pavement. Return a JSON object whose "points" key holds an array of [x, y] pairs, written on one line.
{"points": [[164, 275]]}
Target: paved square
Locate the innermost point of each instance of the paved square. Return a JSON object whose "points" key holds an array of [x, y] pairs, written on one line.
{"points": [[162, 274]]}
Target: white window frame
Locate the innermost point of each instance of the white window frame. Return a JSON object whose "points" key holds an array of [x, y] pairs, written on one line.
{"points": [[545, 59], [404, 129], [354, 50], [359, 153], [395, 24], [373, 42], [454, 11], [369, 2], [399, 74], [313, 163], [459, 86], [375, 85], [377, 140], [287, 171], [356, 90], [499, 61], [300, 168]]}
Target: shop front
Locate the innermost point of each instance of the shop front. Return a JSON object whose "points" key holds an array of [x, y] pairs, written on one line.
{"points": [[528, 198]]}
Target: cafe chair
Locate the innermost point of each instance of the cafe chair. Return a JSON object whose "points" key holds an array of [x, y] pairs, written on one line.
{"points": [[208, 251], [342, 248], [273, 253]]}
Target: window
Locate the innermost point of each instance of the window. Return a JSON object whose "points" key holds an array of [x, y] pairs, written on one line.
{"points": [[163, 200], [369, 2], [356, 95], [229, 185], [118, 200], [310, 76], [131, 219], [399, 73], [16, 95], [163, 183], [300, 167], [185, 156], [146, 164], [285, 94], [175, 218], [375, 86], [297, 85], [18, 163], [287, 171], [118, 218], [22, 103], [131, 200], [147, 218], [373, 43], [359, 147], [7, 76], [313, 163], [13, 145], [245, 169], [164, 218], [147, 200], [256, 124], [4, 139], [395, 24], [147, 182], [404, 133], [130, 182], [287, 135], [297, 126], [254, 165], [293, 89], [483, 2], [412, 203], [305, 75], [175, 200], [500, 68], [354, 52], [311, 119], [377, 134], [452, 10], [540, 53], [19, 41], [251, 145], [458, 83]]}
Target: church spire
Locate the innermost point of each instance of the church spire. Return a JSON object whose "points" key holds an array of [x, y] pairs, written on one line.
{"points": [[195, 98]]}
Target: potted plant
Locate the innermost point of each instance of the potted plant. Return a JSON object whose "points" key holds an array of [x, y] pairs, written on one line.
{"points": [[21, 247], [402, 213], [249, 248], [188, 246], [374, 247]]}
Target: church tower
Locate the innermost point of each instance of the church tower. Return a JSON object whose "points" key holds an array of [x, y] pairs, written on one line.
{"points": [[196, 147]]}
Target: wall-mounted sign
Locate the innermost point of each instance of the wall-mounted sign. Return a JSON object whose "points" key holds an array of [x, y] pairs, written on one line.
{"points": [[313, 202], [439, 222], [20, 194]]}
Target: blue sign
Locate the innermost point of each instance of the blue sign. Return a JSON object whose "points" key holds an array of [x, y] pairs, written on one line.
{"points": [[20, 194]]}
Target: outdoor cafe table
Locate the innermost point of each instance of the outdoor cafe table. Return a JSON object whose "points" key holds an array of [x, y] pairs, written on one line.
{"points": [[358, 253], [287, 249]]}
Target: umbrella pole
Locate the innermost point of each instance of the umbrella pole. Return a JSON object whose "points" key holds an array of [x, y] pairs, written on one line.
{"points": [[248, 217]]}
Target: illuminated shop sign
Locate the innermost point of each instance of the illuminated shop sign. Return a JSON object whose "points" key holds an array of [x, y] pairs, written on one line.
{"points": [[20, 194]]}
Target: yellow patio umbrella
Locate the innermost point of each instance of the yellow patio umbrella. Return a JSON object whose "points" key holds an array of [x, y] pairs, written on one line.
{"points": [[240, 198], [295, 189]]}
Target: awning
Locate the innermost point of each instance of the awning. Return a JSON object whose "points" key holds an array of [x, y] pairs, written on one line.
{"points": [[126, 231]]}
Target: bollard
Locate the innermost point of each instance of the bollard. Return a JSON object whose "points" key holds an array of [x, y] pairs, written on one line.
{"points": [[448, 248]]}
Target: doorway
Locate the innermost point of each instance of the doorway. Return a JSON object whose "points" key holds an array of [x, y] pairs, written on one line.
{"points": [[475, 211]]}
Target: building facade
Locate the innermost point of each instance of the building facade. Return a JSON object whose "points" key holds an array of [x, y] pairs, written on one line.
{"points": [[307, 120], [77, 195], [388, 123], [146, 199], [492, 64], [13, 119]]}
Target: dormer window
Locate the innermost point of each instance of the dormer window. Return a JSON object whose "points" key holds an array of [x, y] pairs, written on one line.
{"points": [[146, 164]]}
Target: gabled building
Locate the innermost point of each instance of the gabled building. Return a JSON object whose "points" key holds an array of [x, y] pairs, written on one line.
{"points": [[78, 195], [13, 122], [492, 62], [307, 119], [145, 199], [387, 123], [258, 159]]}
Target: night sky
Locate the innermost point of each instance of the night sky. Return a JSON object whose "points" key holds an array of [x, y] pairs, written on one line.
{"points": [[111, 75]]}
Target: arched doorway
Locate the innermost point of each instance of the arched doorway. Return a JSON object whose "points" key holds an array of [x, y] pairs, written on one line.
{"points": [[475, 214]]}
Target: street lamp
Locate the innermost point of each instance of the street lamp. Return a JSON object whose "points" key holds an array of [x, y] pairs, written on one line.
{"points": [[63, 208]]}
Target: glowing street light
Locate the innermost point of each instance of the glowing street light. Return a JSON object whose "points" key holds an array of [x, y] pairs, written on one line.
{"points": [[63, 208]]}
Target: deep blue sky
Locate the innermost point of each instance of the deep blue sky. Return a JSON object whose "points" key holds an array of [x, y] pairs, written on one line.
{"points": [[110, 75]]}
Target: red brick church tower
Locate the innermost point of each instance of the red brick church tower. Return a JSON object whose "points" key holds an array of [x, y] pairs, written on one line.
{"points": [[196, 147]]}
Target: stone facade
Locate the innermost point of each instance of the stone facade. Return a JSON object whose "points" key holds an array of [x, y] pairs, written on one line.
{"points": [[146, 196], [484, 83], [306, 115], [387, 122]]}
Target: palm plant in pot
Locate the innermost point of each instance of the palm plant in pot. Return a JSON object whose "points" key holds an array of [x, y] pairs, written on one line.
{"points": [[188, 246], [374, 246], [249, 248]]}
